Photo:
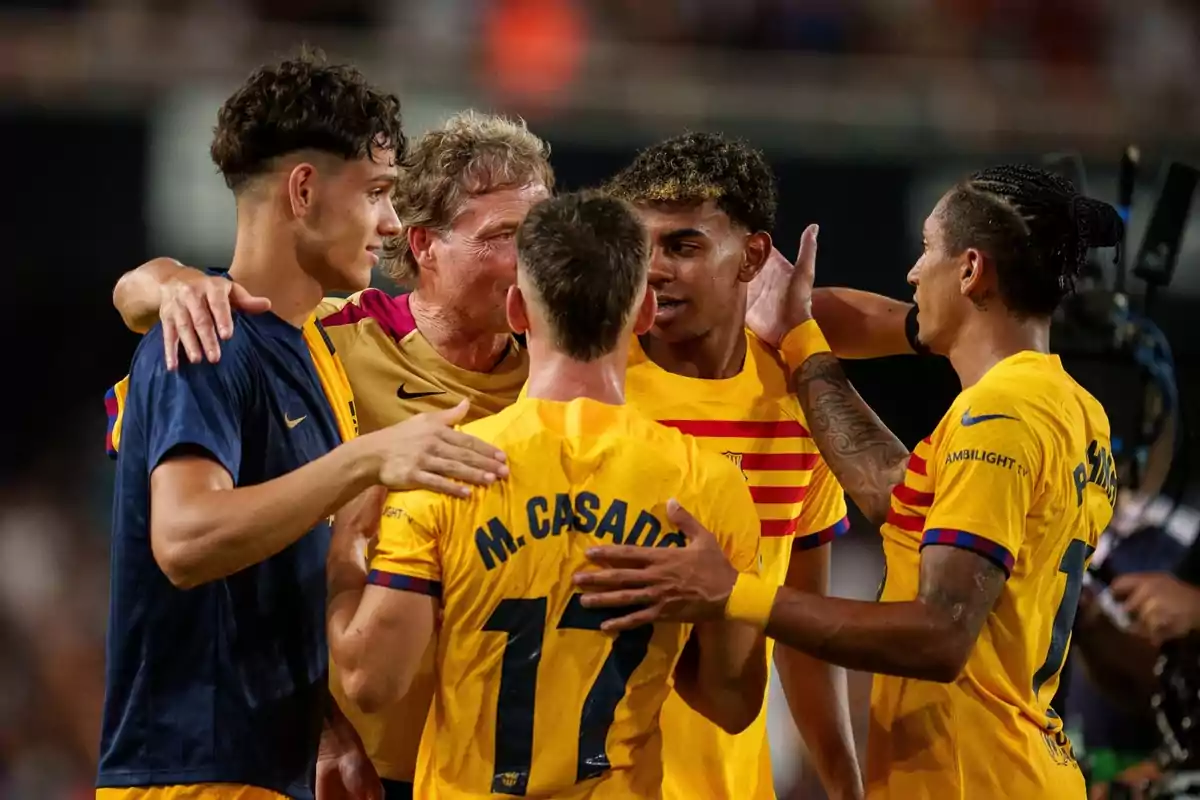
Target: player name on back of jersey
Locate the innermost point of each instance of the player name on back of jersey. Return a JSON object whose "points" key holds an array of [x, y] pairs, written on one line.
{"points": [[549, 516]]}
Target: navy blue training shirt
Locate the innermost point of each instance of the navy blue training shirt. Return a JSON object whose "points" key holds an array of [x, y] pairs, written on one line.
{"points": [[225, 682]]}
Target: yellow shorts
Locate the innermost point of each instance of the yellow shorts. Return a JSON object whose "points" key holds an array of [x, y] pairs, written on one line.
{"points": [[193, 791]]}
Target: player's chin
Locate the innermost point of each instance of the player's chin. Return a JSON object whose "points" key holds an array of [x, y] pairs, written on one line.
{"points": [[356, 277]]}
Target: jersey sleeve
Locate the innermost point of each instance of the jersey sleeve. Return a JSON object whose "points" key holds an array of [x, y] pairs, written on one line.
{"points": [[114, 407], [734, 519], [408, 555], [196, 405], [984, 485], [823, 516]]}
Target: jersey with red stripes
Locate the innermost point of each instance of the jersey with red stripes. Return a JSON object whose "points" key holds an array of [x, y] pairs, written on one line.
{"points": [[754, 421]]}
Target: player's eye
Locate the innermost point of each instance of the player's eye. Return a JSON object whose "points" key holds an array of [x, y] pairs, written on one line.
{"points": [[684, 249], [377, 193]]}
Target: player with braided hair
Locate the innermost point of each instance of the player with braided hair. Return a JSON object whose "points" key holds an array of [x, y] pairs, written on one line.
{"points": [[988, 524]]}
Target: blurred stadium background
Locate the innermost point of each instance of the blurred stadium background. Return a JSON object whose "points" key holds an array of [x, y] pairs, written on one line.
{"points": [[867, 108]]}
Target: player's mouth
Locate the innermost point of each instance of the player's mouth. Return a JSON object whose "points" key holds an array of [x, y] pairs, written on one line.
{"points": [[668, 309], [374, 253]]}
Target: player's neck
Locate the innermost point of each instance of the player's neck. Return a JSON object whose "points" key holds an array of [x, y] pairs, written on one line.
{"points": [[455, 336], [988, 338], [266, 263], [558, 377], [717, 355]]}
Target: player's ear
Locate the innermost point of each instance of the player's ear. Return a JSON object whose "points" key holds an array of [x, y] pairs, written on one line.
{"points": [[644, 315], [758, 250], [302, 189], [420, 244], [973, 272], [515, 310]]}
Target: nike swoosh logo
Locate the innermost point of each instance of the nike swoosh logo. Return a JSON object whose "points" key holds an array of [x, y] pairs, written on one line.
{"points": [[968, 420], [404, 394], [291, 423]]}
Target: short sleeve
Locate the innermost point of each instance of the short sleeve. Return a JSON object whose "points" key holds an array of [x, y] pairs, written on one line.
{"points": [[984, 484], [823, 515], [734, 519], [407, 555], [196, 405]]}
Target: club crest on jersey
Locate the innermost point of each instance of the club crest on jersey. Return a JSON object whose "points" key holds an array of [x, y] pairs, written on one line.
{"points": [[736, 458]]}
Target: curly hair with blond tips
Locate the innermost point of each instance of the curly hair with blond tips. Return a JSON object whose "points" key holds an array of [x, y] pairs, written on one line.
{"points": [[695, 167]]}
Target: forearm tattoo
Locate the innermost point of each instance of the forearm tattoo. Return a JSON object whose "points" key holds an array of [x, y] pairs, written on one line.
{"points": [[867, 459]]}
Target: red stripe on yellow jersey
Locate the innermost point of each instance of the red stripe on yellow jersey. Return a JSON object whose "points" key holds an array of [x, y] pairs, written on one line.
{"points": [[1016, 472], [753, 420]]}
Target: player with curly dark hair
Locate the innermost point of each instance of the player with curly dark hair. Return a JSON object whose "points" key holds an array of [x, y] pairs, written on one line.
{"points": [[228, 472], [708, 203], [988, 524]]}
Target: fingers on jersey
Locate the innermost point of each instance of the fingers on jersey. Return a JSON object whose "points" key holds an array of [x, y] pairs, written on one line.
{"points": [[424, 453], [187, 319]]}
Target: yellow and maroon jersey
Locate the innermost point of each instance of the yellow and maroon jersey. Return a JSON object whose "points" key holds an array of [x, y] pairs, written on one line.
{"points": [[753, 420], [1020, 471], [532, 698], [396, 374]]}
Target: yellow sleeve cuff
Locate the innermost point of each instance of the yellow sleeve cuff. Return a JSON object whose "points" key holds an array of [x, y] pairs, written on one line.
{"points": [[751, 600], [803, 341]]}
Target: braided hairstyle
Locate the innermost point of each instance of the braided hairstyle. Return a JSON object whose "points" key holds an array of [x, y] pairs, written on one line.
{"points": [[1036, 228]]}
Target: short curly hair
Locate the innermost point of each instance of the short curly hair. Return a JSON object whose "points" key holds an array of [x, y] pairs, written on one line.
{"points": [[1036, 227], [302, 104], [470, 155], [696, 167]]}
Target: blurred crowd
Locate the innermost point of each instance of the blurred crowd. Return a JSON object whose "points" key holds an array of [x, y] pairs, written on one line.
{"points": [[1062, 32]]}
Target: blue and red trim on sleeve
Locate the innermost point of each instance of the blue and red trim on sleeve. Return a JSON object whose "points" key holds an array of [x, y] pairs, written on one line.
{"points": [[112, 407], [811, 541], [996, 553], [405, 583]]}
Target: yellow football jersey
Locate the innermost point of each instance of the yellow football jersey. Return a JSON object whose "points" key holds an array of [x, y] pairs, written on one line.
{"points": [[396, 374], [532, 699], [1019, 470], [754, 421]]}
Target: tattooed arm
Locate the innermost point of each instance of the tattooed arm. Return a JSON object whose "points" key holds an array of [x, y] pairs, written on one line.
{"points": [[929, 638], [866, 457]]}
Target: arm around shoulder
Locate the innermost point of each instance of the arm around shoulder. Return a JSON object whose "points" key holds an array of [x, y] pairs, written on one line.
{"points": [[138, 293], [862, 324]]}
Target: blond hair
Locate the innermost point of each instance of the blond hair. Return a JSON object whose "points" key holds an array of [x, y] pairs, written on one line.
{"points": [[470, 155]]}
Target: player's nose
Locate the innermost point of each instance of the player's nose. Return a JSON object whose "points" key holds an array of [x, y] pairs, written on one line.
{"points": [[389, 223], [660, 272]]}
